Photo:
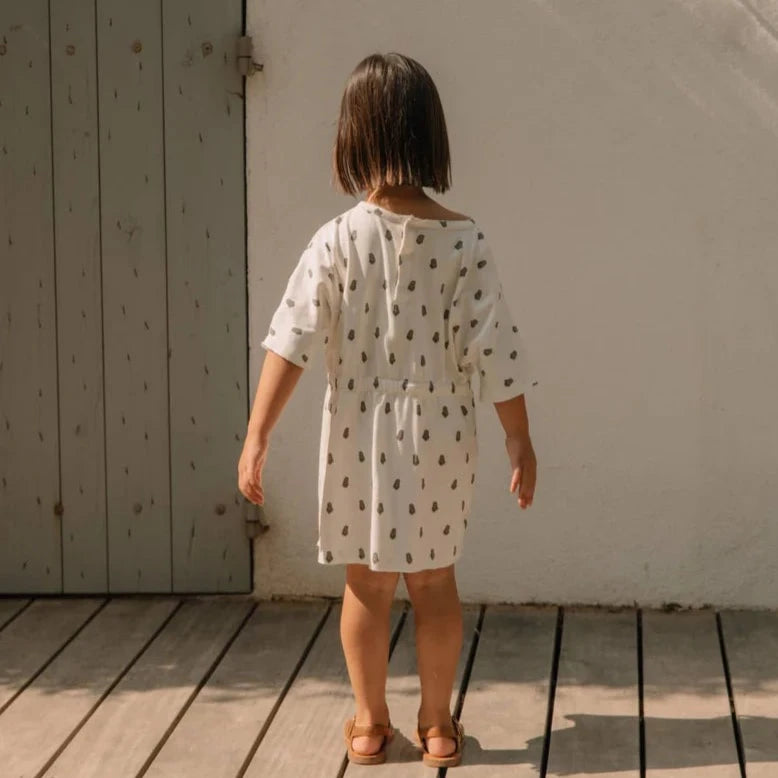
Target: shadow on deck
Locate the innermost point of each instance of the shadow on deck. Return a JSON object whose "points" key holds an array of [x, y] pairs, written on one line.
{"points": [[230, 686]]}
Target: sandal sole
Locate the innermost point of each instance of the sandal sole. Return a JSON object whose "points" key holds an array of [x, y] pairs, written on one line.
{"points": [[439, 761], [377, 758]]}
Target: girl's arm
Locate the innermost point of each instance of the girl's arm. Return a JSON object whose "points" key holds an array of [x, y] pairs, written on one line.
{"points": [[513, 416], [307, 309], [518, 444], [277, 380]]}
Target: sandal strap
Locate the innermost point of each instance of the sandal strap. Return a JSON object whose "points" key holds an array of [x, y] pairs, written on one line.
{"points": [[438, 730], [367, 730]]}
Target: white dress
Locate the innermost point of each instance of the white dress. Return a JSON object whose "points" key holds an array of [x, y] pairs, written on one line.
{"points": [[407, 309]]}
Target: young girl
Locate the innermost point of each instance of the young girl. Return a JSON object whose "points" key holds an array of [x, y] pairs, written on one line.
{"points": [[407, 299]]}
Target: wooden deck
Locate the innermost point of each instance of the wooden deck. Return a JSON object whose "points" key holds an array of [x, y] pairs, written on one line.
{"points": [[220, 686]]}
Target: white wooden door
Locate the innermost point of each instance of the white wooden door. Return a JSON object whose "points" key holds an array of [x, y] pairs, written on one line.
{"points": [[123, 356]]}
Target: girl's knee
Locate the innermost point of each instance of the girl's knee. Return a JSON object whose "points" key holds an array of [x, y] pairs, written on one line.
{"points": [[361, 577], [423, 580]]}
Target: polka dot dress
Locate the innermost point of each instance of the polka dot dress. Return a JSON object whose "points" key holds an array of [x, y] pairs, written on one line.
{"points": [[407, 310]]}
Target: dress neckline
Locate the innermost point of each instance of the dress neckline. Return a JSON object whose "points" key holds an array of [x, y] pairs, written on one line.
{"points": [[408, 217]]}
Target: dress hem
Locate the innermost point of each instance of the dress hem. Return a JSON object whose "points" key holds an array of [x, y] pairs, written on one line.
{"points": [[380, 569]]}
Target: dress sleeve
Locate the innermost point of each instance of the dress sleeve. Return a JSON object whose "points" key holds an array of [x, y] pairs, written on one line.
{"points": [[485, 336], [309, 304]]}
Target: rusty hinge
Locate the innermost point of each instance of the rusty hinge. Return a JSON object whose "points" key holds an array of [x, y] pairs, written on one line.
{"points": [[245, 57], [254, 519]]}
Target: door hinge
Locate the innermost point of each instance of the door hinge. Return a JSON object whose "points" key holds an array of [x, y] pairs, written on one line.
{"points": [[245, 57], [254, 519]]}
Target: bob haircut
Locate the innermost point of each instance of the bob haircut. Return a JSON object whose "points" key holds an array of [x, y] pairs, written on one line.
{"points": [[391, 128]]}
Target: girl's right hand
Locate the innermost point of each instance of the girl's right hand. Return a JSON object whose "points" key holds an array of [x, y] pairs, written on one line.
{"points": [[252, 460], [523, 468]]}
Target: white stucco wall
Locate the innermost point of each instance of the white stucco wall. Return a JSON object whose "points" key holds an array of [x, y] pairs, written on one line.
{"points": [[634, 147]]}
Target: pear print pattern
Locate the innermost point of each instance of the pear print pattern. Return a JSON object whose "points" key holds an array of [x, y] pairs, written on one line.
{"points": [[405, 311]]}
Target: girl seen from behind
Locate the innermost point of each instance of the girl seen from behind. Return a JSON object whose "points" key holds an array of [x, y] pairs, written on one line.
{"points": [[405, 298]]}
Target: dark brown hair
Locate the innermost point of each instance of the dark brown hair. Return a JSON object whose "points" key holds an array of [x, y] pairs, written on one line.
{"points": [[391, 128]]}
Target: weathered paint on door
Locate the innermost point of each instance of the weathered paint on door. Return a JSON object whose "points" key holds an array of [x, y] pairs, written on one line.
{"points": [[123, 376]]}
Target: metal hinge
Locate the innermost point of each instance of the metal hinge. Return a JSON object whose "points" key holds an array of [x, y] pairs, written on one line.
{"points": [[245, 57], [254, 519]]}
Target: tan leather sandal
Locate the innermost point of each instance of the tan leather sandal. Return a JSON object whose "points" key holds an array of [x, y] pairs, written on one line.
{"points": [[453, 730], [351, 730]]}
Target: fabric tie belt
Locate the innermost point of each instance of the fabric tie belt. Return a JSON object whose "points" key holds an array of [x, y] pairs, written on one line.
{"points": [[363, 383]]}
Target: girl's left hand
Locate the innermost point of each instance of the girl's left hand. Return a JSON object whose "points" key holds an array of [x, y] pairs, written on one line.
{"points": [[523, 468], [252, 460]]}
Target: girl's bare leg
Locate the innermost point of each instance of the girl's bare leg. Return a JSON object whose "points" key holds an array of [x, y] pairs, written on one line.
{"points": [[438, 621], [364, 633]]}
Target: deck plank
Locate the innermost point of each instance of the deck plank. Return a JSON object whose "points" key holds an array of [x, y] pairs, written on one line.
{"points": [[596, 726], [119, 738], [241, 693], [30, 640], [9, 607], [40, 720], [685, 704], [64, 655], [312, 714], [403, 696], [751, 640], [504, 713]]}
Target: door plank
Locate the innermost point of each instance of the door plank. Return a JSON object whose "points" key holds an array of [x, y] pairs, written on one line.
{"points": [[687, 721], [206, 268], [312, 714], [595, 726], [504, 714], [241, 693], [29, 465], [751, 640], [129, 49], [41, 719], [403, 697], [79, 295], [121, 735], [31, 639]]}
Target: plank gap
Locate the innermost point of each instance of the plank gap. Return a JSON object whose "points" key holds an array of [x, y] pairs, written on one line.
{"points": [[641, 718], [687, 718], [468, 668], [206, 676], [560, 618], [398, 629], [49, 762], [731, 695], [442, 771], [288, 685], [15, 615], [45, 664]]}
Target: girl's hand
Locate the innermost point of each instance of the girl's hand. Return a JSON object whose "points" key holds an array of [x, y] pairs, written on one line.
{"points": [[523, 466], [252, 460]]}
